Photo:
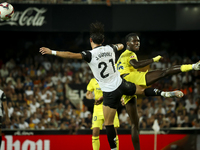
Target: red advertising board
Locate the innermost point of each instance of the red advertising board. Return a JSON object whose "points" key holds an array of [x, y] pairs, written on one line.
{"points": [[83, 142]]}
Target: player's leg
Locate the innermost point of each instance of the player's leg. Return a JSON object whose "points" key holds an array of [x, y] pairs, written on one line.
{"points": [[97, 123], [117, 139], [116, 125], [156, 92], [95, 138], [110, 104], [131, 108], [153, 76], [109, 114], [137, 79]]}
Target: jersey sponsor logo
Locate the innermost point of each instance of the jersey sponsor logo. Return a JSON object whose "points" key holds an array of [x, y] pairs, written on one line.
{"points": [[119, 67], [132, 56], [98, 89], [32, 16]]}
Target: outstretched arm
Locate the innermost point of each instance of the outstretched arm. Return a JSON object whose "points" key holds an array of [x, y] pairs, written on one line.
{"points": [[139, 64], [66, 54]]}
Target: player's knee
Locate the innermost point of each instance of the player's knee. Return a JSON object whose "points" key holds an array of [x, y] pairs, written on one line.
{"points": [[135, 126], [108, 123], [139, 90], [95, 132]]}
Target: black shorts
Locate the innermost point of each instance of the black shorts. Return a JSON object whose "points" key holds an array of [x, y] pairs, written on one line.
{"points": [[112, 99]]}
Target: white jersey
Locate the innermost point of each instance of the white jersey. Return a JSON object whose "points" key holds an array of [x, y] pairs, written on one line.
{"points": [[2, 98], [102, 63]]}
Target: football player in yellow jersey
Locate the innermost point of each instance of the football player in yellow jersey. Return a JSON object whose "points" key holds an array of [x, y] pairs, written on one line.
{"points": [[98, 118], [128, 64]]}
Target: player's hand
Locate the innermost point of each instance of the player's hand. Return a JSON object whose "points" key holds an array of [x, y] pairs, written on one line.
{"points": [[44, 50], [157, 58], [99, 101], [122, 101], [7, 121]]}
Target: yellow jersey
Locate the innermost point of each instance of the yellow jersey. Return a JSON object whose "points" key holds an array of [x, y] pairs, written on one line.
{"points": [[93, 86], [123, 65]]}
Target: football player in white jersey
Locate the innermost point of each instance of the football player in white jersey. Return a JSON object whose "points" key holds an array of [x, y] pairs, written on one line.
{"points": [[3, 101], [101, 60]]}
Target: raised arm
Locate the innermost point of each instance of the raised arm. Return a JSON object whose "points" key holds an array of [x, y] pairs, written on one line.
{"points": [[139, 64], [66, 54]]}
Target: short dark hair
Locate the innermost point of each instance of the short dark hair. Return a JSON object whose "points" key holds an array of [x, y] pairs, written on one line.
{"points": [[97, 32], [128, 37]]}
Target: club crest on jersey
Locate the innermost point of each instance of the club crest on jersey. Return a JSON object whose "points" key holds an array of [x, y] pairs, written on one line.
{"points": [[132, 56]]}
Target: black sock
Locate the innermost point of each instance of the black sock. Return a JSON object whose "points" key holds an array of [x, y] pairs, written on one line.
{"points": [[111, 135], [0, 141], [152, 92]]}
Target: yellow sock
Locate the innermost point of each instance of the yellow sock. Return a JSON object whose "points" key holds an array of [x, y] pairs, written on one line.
{"points": [[186, 68], [117, 142], [95, 142]]}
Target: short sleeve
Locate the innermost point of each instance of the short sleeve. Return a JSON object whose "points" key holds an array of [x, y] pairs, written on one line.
{"points": [[89, 86], [132, 56], [87, 56], [115, 48]]}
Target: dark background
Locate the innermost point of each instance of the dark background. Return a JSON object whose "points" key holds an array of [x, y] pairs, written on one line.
{"points": [[20, 44], [161, 27]]}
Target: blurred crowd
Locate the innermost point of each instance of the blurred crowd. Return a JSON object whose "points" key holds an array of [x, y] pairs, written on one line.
{"points": [[89, 1], [35, 84], [35, 92]]}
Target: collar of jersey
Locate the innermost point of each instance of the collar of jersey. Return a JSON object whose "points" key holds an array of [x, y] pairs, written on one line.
{"points": [[97, 46], [130, 51]]}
